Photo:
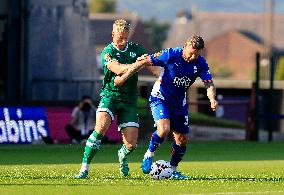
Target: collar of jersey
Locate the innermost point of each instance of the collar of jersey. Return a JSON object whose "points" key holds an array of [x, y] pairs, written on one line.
{"points": [[119, 49]]}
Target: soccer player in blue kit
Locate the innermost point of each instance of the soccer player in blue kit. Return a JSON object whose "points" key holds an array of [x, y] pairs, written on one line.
{"points": [[179, 69]]}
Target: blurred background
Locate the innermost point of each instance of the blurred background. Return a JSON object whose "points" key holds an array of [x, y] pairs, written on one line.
{"points": [[50, 58]]}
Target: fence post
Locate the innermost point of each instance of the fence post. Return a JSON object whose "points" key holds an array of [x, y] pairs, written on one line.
{"points": [[252, 122], [252, 125]]}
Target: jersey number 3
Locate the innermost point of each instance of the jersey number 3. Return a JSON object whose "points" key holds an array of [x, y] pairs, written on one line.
{"points": [[186, 120]]}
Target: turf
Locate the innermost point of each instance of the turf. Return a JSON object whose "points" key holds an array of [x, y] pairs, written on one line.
{"points": [[214, 167]]}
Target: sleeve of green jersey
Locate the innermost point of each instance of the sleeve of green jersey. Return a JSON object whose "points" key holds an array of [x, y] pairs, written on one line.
{"points": [[141, 50], [107, 56]]}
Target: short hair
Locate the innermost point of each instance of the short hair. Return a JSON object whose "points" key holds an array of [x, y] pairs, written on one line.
{"points": [[121, 25], [196, 42]]}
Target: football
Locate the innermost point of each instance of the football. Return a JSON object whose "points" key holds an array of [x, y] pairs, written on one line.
{"points": [[161, 169]]}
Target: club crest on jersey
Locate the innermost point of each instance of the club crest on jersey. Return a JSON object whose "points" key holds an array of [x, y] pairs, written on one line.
{"points": [[117, 55], [107, 57], [132, 54], [182, 82]]}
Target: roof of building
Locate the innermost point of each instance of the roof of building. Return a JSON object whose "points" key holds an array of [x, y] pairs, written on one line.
{"points": [[212, 24]]}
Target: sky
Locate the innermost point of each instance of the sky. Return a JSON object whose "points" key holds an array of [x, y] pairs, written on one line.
{"points": [[165, 10]]}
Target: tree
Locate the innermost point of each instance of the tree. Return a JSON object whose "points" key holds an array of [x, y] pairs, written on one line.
{"points": [[280, 69], [158, 32], [102, 6]]}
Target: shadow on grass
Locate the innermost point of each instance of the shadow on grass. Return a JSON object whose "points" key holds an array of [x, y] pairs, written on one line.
{"points": [[197, 151]]}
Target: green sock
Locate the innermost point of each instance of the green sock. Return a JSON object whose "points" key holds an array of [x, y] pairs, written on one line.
{"points": [[124, 151], [92, 146]]}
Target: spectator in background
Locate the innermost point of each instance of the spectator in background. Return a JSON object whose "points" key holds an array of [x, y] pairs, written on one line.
{"points": [[82, 121]]}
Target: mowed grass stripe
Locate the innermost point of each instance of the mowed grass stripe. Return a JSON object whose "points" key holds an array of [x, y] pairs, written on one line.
{"points": [[244, 167]]}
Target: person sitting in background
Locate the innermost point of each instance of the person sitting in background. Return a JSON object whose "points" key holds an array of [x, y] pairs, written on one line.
{"points": [[82, 121]]}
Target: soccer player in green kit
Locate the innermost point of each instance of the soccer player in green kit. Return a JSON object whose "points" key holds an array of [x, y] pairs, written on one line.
{"points": [[120, 101]]}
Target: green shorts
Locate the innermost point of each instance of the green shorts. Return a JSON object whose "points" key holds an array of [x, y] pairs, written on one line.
{"points": [[126, 112]]}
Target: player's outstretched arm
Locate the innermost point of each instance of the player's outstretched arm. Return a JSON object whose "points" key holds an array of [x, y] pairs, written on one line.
{"points": [[117, 68], [211, 93], [132, 69]]}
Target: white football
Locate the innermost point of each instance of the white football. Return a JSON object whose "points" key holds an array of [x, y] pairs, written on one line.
{"points": [[161, 169]]}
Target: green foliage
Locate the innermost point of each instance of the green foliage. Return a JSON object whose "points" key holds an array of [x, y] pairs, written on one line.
{"points": [[102, 6], [279, 75], [214, 167], [158, 32]]}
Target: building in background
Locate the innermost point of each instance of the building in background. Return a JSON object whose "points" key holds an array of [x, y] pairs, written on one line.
{"points": [[60, 51], [47, 51], [235, 30]]}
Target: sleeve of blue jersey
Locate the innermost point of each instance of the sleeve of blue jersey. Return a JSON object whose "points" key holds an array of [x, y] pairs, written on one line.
{"points": [[205, 72], [161, 58]]}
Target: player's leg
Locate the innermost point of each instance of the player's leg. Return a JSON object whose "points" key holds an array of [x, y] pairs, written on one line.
{"points": [[104, 118], [161, 116], [178, 151], [181, 137], [128, 126], [129, 137]]}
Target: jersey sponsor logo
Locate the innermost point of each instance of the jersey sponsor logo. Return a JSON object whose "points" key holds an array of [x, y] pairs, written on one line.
{"points": [[132, 54], [117, 55], [107, 57], [182, 82]]}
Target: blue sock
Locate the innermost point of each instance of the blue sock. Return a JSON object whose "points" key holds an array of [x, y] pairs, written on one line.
{"points": [[177, 154], [155, 142]]}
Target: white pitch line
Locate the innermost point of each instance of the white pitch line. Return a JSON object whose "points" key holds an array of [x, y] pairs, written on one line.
{"points": [[225, 193]]}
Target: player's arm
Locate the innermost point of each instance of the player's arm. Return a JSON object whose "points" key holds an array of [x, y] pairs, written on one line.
{"points": [[157, 59], [112, 63], [211, 93], [117, 68], [140, 63]]}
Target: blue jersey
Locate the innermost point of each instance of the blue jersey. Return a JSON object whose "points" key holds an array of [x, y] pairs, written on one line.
{"points": [[168, 96], [177, 75]]}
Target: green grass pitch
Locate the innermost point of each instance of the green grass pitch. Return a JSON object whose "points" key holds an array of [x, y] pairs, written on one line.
{"points": [[214, 167]]}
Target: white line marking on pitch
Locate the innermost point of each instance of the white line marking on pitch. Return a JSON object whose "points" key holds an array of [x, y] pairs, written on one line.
{"points": [[225, 193]]}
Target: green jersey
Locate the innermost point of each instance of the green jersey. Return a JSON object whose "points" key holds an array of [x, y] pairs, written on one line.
{"points": [[128, 91]]}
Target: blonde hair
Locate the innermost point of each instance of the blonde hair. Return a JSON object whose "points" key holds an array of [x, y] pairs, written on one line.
{"points": [[121, 26], [196, 42]]}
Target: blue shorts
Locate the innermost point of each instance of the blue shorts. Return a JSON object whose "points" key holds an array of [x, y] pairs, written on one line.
{"points": [[177, 114]]}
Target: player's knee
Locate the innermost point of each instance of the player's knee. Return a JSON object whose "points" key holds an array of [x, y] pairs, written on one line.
{"points": [[182, 140], [130, 146], [163, 130]]}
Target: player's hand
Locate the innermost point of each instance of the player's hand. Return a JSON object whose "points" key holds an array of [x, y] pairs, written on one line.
{"points": [[143, 57], [117, 81], [214, 104]]}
